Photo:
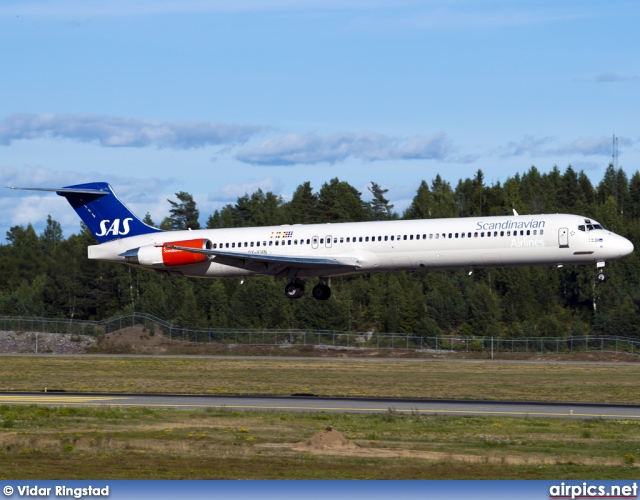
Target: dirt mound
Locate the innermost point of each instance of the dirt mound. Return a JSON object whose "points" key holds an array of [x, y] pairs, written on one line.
{"points": [[328, 439]]}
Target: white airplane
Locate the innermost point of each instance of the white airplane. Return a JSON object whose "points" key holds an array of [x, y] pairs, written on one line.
{"points": [[324, 250]]}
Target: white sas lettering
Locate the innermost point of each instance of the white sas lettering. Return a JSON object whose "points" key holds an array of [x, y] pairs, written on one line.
{"points": [[115, 227]]}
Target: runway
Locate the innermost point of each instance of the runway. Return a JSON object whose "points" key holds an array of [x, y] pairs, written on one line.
{"points": [[334, 405]]}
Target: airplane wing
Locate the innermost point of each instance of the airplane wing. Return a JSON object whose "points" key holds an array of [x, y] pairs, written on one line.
{"points": [[272, 264]]}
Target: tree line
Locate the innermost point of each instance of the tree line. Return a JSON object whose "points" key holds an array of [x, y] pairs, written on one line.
{"points": [[49, 275]]}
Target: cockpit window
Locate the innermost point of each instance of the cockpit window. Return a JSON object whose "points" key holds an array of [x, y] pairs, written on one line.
{"points": [[597, 226], [589, 227], [581, 228]]}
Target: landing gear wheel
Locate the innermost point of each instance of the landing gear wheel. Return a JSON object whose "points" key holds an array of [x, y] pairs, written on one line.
{"points": [[294, 290], [321, 292], [602, 277]]}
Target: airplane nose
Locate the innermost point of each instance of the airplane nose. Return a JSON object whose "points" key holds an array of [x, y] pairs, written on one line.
{"points": [[626, 247]]}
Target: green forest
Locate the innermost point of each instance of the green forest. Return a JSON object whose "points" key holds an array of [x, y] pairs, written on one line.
{"points": [[47, 275]]}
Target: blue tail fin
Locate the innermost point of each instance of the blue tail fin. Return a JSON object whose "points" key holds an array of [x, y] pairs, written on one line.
{"points": [[101, 210], [103, 213]]}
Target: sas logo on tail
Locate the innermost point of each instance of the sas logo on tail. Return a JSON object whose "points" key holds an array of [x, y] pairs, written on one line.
{"points": [[114, 228]]}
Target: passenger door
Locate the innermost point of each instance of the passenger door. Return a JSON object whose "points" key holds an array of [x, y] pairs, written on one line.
{"points": [[563, 237]]}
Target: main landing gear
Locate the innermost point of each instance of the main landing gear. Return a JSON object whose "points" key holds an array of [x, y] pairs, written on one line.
{"points": [[295, 290]]}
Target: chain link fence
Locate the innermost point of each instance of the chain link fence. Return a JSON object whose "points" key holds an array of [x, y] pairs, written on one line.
{"points": [[326, 338]]}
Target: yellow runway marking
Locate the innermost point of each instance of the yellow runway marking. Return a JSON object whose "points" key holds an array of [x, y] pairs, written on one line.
{"points": [[36, 399]]}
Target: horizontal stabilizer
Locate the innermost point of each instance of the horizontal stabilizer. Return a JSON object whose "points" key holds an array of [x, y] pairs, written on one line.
{"points": [[64, 190]]}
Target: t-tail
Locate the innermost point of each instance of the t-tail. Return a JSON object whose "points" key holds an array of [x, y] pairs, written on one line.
{"points": [[101, 210]]}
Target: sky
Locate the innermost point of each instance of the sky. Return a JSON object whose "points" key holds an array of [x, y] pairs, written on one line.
{"points": [[221, 97]]}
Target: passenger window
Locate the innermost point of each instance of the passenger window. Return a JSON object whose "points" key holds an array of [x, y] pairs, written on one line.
{"points": [[528, 232], [437, 236], [386, 238], [462, 235], [541, 231], [322, 241], [379, 238], [535, 231], [366, 238], [450, 235], [270, 243], [482, 234], [277, 242], [411, 236], [475, 235], [501, 233], [246, 244], [295, 242], [233, 245], [289, 242], [341, 240], [508, 233], [226, 245], [456, 235], [348, 239], [251, 244], [404, 237], [417, 236], [360, 239], [392, 238], [430, 236]]}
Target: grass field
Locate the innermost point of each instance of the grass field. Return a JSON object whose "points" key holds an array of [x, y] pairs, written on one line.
{"points": [[106, 442], [553, 381], [132, 443]]}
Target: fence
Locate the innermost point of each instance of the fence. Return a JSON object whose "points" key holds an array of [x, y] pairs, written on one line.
{"points": [[327, 338]]}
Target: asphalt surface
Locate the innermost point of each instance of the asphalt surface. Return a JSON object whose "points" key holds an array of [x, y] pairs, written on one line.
{"points": [[334, 405]]}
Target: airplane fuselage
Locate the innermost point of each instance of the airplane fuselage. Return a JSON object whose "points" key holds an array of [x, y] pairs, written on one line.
{"points": [[473, 242]]}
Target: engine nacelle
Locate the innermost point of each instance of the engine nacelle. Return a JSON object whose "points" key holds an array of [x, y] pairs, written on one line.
{"points": [[161, 255]]}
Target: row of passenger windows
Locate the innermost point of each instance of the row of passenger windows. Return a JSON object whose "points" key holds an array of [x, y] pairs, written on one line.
{"points": [[360, 239]]}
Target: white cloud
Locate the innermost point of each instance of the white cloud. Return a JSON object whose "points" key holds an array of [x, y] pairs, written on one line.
{"points": [[528, 145], [587, 146], [310, 149], [541, 146], [231, 192], [113, 131]]}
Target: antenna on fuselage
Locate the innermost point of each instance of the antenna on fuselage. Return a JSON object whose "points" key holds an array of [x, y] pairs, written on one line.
{"points": [[514, 212]]}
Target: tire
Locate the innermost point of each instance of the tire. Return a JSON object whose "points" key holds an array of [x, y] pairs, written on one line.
{"points": [[321, 292], [293, 290]]}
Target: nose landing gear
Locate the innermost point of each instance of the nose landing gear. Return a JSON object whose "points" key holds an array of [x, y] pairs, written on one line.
{"points": [[601, 276]]}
